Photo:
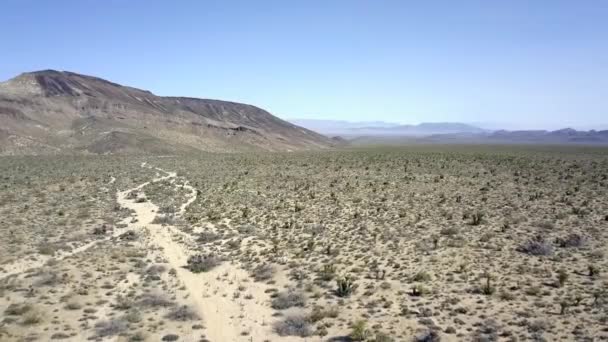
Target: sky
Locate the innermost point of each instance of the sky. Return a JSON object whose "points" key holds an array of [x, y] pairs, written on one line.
{"points": [[519, 64]]}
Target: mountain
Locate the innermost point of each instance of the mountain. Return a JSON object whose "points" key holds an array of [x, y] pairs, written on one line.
{"points": [[339, 127], [49, 112], [380, 128], [561, 136], [566, 136], [423, 129]]}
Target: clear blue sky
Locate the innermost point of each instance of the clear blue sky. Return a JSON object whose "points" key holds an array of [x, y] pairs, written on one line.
{"points": [[530, 63]]}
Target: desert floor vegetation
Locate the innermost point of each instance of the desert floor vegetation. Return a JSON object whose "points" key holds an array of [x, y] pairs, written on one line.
{"points": [[420, 243]]}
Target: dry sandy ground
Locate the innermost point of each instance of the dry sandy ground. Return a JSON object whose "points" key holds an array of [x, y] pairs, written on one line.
{"points": [[210, 294], [394, 223]]}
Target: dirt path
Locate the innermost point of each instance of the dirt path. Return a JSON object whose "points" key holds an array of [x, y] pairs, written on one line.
{"points": [[24, 265], [211, 294]]}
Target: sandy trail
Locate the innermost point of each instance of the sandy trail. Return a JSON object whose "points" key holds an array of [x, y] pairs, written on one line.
{"points": [[24, 265], [211, 294]]}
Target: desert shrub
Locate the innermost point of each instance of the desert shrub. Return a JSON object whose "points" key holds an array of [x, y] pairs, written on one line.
{"points": [[382, 337], [359, 331], [487, 331], [156, 269], [537, 326], [288, 299], [207, 237], [328, 272], [487, 287], [47, 279], [477, 218], [128, 236], [246, 229], [562, 277], [564, 306], [165, 219], [419, 290], [593, 270], [101, 230], [345, 286], [234, 243], [123, 303], [170, 337], [17, 309], [428, 336], [545, 225], [449, 231], [47, 249], [263, 272], [110, 328], [58, 336], [318, 313], [133, 316], [73, 305], [571, 241], [202, 263], [536, 246], [421, 276], [182, 314], [137, 337], [32, 317], [293, 326], [155, 300], [167, 209], [599, 296], [507, 295]]}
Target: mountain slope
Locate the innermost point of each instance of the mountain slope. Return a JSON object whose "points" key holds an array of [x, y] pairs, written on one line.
{"points": [[63, 112]]}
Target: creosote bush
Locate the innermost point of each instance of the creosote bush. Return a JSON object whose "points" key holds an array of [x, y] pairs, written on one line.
{"points": [[202, 263], [263, 272], [293, 326], [285, 300], [536, 246], [183, 313], [345, 286]]}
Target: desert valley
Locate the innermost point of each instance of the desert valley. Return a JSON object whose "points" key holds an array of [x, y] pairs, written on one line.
{"points": [[128, 216]]}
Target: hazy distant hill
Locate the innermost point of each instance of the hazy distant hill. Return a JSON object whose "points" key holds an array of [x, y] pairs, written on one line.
{"points": [[563, 136], [380, 128], [64, 112], [339, 127], [379, 132]]}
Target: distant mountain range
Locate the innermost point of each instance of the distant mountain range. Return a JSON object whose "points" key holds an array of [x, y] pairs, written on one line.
{"points": [[381, 128], [449, 132], [58, 112]]}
